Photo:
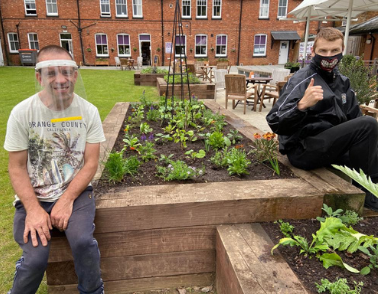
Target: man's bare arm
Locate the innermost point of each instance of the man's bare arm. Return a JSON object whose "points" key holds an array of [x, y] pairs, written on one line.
{"points": [[37, 219], [62, 210]]}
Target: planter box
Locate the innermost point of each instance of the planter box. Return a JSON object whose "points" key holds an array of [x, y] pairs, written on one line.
{"points": [[164, 236], [149, 79], [102, 62], [201, 91]]}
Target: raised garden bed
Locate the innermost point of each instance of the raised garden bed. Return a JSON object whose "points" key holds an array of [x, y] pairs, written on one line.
{"points": [[201, 91], [102, 62], [148, 79], [161, 236]]}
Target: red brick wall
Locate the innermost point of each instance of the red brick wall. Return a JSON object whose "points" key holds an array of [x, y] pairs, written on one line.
{"points": [[48, 28]]}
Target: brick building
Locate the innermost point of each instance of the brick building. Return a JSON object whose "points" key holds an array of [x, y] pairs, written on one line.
{"points": [[243, 31]]}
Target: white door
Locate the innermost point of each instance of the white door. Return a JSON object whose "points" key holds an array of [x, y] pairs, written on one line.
{"points": [[66, 42], [284, 52], [1, 55]]}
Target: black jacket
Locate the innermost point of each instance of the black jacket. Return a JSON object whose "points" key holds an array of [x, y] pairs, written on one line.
{"points": [[339, 104]]}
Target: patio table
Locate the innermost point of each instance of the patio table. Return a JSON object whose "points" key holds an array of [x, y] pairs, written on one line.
{"points": [[208, 72], [258, 81]]}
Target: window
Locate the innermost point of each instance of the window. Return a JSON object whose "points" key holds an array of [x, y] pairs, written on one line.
{"points": [[30, 8], [221, 46], [105, 7], [51, 7], [201, 45], [13, 42], [264, 9], [282, 8], [259, 49], [180, 46], [121, 8], [101, 45], [123, 42], [217, 8], [33, 41], [186, 7], [137, 8], [201, 8]]}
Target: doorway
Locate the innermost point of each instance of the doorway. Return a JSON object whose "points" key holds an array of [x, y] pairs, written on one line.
{"points": [[66, 42], [1, 55], [284, 52], [145, 48]]}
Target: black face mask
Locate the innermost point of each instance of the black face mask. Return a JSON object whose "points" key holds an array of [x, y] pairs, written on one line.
{"points": [[327, 63]]}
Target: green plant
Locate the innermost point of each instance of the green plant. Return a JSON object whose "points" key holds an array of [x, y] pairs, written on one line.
{"points": [[348, 218], [340, 286], [237, 162], [165, 159], [135, 49], [178, 79], [291, 64], [153, 114], [114, 167], [373, 258], [330, 213], [154, 69], [362, 81], [219, 159], [178, 170], [131, 165], [266, 148], [286, 228], [145, 128], [89, 49], [200, 154], [163, 138], [158, 49], [216, 140], [147, 151], [234, 136], [132, 143]]}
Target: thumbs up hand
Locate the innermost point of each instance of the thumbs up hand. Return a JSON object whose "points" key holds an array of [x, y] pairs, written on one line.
{"points": [[313, 95]]}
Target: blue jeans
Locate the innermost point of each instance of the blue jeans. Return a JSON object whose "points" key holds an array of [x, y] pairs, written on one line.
{"points": [[33, 262]]}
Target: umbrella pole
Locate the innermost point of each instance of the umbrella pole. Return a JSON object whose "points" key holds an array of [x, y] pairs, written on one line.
{"points": [[347, 26], [306, 38]]}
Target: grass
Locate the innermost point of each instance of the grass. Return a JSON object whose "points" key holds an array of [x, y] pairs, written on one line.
{"points": [[103, 88]]}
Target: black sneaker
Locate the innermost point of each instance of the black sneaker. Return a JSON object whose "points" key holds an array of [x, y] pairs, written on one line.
{"points": [[371, 201]]}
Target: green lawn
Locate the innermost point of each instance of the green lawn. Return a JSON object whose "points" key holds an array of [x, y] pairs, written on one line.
{"points": [[103, 88]]}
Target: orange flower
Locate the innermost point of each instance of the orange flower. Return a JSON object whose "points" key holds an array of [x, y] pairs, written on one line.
{"points": [[126, 130], [213, 121], [239, 146], [256, 135], [132, 148]]}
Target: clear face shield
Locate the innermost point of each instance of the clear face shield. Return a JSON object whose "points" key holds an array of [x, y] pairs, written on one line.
{"points": [[57, 82]]}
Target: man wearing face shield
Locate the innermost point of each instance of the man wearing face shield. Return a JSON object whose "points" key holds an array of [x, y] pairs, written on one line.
{"points": [[53, 139], [318, 119]]}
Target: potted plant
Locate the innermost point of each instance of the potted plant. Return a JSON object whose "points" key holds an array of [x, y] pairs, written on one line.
{"points": [[158, 49], [135, 49], [293, 66], [89, 49]]}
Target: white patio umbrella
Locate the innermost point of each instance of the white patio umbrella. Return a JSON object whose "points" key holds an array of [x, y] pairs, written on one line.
{"points": [[318, 9]]}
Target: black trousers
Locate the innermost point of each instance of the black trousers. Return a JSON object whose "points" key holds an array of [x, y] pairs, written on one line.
{"points": [[353, 143]]}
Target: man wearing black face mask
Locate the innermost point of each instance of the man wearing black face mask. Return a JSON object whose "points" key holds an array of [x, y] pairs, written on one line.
{"points": [[318, 119]]}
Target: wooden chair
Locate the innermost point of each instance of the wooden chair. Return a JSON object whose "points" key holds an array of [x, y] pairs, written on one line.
{"points": [[236, 90], [199, 71], [268, 92], [124, 63]]}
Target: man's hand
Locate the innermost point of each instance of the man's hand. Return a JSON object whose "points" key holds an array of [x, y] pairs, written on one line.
{"points": [[61, 213], [312, 96], [37, 222]]}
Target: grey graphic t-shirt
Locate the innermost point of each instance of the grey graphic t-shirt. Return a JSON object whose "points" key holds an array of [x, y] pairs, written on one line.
{"points": [[55, 141]]}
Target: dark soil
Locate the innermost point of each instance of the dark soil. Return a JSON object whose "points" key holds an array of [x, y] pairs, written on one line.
{"points": [[311, 271], [147, 170]]}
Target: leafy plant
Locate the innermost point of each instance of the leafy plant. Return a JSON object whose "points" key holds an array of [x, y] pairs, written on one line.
{"points": [[362, 81], [145, 128], [153, 114], [350, 218], [182, 79], [132, 143], [237, 162], [200, 154], [330, 213], [340, 286], [219, 159], [131, 165], [234, 136], [147, 151], [154, 69], [286, 228], [266, 148], [216, 140], [165, 159], [373, 258], [114, 167], [178, 170]]}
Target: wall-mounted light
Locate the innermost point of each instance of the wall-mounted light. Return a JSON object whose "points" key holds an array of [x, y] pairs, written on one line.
{"points": [[368, 41], [64, 27]]}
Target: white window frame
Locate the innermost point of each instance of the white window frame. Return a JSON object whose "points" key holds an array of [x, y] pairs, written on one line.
{"points": [[254, 40], [280, 6], [201, 3], [219, 4], [125, 54], [50, 5], [195, 46], [105, 4], [121, 3], [190, 8], [107, 47], [13, 42], [182, 55], [264, 7], [136, 4], [216, 45], [30, 2], [34, 42]]}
